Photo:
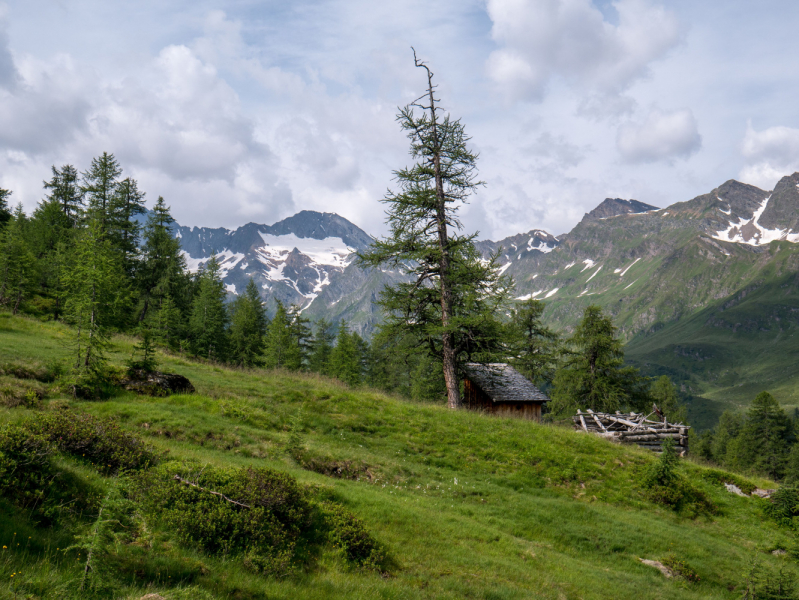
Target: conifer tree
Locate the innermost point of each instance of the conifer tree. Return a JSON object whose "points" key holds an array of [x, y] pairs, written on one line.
{"points": [[345, 359], [664, 394], [300, 337], [248, 328], [17, 263], [167, 324], [209, 319], [453, 297], [65, 192], [96, 293], [126, 203], [764, 439], [594, 375], [99, 188], [279, 348], [5, 212], [321, 347], [532, 346], [162, 271]]}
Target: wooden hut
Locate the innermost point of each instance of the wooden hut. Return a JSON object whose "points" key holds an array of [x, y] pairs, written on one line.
{"points": [[499, 389]]}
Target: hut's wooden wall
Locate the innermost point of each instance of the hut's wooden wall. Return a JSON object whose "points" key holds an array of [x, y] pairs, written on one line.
{"points": [[476, 399]]}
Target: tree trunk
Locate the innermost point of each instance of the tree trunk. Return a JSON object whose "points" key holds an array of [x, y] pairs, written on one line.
{"points": [[447, 342]]}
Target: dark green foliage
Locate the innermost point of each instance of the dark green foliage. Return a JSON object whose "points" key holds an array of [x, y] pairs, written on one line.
{"points": [[248, 325], [126, 203], [763, 443], [593, 374], [18, 266], [209, 318], [681, 568], [348, 533], [451, 301], [101, 442], [143, 356], [287, 340], [262, 515], [97, 301], [783, 506], [321, 347], [5, 213], [759, 584], [533, 347], [161, 274], [346, 359], [664, 395], [65, 193], [664, 485], [99, 187], [26, 471]]}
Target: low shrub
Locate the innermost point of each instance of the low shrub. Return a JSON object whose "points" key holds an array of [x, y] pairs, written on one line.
{"points": [[21, 394], [261, 514], [326, 465], [43, 373], [681, 568], [31, 480], [664, 485], [348, 533], [100, 441]]}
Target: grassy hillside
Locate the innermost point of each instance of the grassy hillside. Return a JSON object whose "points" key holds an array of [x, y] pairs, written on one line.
{"points": [[733, 349], [467, 506]]}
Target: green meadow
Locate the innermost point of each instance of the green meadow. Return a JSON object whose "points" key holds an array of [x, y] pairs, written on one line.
{"points": [[465, 505]]}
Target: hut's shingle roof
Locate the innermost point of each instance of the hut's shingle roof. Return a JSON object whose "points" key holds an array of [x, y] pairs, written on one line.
{"points": [[503, 383]]}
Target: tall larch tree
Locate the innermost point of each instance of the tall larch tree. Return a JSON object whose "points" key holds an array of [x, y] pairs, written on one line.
{"points": [[453, 296], [248, 324]]}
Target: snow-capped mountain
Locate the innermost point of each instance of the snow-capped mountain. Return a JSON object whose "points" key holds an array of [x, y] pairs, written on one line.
{"points": [[293, 260]]}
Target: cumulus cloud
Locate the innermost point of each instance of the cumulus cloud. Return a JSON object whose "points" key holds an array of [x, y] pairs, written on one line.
{"points": [[660, 136], [770, 155], [572, 39]]}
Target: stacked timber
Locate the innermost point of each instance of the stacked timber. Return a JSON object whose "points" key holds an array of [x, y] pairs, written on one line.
{"points": [[634, 428]]}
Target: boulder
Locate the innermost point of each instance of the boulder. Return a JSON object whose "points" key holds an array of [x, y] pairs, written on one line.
{"points": [[155, 383]]}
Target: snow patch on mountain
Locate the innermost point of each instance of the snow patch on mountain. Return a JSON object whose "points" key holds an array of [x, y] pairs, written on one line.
{"points": [[752, 233], [588, 264], [330, 251]]}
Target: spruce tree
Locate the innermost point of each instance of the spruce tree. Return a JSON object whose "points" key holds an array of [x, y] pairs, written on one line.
{"points": [[279, 347], [345, 359], [532, 347], [764, 439], [65, 192], [162, 271], [17, 263], [321, 347], [209, 319], [96, 294], [126, 203], [593, 375], [453, 296], [5, 212], [168, 324], [248, 328]]}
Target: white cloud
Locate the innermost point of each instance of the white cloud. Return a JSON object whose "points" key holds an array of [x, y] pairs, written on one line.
{"points": [[770, 154], [660, 136], [571, 38]]}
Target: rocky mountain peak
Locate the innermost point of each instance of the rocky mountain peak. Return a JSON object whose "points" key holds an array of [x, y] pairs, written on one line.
{"points": [[611, 207]]}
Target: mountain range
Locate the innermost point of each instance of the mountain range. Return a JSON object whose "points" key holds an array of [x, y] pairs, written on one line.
{"points": [[704, 290]]}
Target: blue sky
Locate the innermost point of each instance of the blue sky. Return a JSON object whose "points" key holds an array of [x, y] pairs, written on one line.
{"points": [[250, 111]]}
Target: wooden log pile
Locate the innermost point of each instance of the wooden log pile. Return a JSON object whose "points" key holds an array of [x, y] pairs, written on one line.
{"points": [[634, 428]]}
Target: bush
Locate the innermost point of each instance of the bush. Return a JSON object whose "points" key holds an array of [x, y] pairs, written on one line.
{"points": [[681, 568], [348, 533], [783, 506], [30, 480], [100, 441], [260, 514], [664, 485]]}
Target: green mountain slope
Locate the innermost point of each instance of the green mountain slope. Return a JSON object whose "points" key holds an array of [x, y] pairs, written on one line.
{"points": [[468, 506]]}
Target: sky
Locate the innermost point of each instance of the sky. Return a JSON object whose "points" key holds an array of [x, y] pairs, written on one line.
{"points": [[247, 110]]}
